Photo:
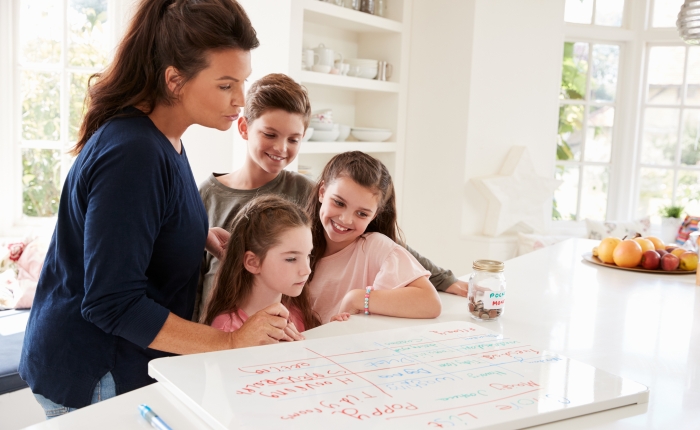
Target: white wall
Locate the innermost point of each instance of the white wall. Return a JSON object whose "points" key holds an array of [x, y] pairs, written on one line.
{"points": [[484, 77]]}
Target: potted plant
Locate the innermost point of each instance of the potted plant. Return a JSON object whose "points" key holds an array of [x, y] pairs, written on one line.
{"points": [[670, 222]]}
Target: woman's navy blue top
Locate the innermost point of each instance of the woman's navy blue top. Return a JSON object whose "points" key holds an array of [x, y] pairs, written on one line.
{"points": [[126, 251]]}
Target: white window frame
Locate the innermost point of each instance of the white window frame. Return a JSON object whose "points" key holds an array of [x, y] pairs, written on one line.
{"points": [[12, 221], [675, 167], [588, 103], [633, 36]]}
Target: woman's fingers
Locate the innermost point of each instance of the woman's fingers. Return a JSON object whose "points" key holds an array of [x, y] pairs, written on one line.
{"points": [[264, 327], [217, 239], [292, 332]]}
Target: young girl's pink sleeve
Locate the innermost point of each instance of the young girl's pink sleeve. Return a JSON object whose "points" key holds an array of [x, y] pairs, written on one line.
{"points": [[227, 322], [399, 269], [298, 320]]}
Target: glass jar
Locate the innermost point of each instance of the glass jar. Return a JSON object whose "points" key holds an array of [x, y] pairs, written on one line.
{"points": [[487, 290], [380, 8], [367, 6]]}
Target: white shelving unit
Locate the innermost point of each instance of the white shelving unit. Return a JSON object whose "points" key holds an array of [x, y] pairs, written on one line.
{"points": [[286, 27]]}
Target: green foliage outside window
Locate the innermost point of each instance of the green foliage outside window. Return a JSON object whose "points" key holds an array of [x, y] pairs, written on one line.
{"points": [[41, 95], [573, 87], [41, 171]]}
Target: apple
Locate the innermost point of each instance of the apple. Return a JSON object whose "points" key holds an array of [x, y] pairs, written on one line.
{"points": [[669, 262], [670, 248], [651, 260], [627, 254], [646, 244], [661, 252], [606, 248], [688, 261]]}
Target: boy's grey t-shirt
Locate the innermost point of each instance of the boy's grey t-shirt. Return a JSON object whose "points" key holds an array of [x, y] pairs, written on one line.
{"points": [[223, 204]]}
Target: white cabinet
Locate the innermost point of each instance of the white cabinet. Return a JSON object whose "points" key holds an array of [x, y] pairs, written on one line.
{"points": [[286, 27]]}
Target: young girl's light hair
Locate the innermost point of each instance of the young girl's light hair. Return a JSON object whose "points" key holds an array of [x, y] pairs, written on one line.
{"points": [[256, 228], [368, 172]]}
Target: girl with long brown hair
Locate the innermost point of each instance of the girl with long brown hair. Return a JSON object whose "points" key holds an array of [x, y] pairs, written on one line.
{"points": [[268, 262], [358, 263], [119, 280]]}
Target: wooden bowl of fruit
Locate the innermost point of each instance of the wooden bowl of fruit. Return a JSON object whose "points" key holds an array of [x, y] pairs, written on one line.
{"points": [[643, 254]]}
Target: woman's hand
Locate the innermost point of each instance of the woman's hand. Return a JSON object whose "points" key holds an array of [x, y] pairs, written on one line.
{"points": [[343, 316], [353, 302], [292, 332], [217, 240], [264, 327], [459, 288]]}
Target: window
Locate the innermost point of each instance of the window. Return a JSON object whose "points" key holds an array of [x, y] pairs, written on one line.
{"points": [[61, 43], [598, 12], [586, 126], [628, 144], [669, 165]]}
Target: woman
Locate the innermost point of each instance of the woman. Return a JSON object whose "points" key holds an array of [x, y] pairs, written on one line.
{"points": [[119, 280]]}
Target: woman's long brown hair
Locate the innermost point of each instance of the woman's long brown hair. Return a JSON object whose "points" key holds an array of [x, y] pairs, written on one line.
{"points": [[256, 228], [162, 33], [368, 172]]}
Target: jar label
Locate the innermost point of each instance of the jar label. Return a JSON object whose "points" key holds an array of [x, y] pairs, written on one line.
{"points": [[494, 300]]}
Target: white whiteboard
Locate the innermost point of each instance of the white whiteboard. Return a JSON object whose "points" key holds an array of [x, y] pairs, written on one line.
{"points": [[447, 375]]}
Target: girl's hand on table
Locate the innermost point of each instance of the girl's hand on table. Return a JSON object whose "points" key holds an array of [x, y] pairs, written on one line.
{"points": [[217, 240], [353, 302], [343, 316], [459, 288]]}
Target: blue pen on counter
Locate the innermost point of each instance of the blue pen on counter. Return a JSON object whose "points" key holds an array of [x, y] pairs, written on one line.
{"points": [[152, 418]]}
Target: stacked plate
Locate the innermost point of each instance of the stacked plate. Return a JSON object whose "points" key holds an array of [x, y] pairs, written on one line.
{"points": [[324, 129], [362, 68], [688, 22], [371, 134]]}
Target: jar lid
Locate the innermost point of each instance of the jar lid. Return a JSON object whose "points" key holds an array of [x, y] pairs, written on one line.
{"points": [[488, 265]]}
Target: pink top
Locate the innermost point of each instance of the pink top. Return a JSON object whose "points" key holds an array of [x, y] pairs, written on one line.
{"points": [[234, 320], [372, 260]]}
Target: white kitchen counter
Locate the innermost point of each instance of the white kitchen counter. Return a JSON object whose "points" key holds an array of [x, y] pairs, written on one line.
{"points": [[644, 327]]}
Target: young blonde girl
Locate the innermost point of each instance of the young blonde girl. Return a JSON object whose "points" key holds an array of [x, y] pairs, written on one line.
{"points": [[267, 262], [358, 263]]}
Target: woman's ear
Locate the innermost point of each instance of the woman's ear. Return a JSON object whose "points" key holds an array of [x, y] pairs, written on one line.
{"points": [[243, 127], [173, 80], [251, 262], [321, 191]]}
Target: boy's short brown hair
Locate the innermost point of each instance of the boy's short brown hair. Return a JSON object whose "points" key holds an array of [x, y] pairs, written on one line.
{"points": [[277, 91]]}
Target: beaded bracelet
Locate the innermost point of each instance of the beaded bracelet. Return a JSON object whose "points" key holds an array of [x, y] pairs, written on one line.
{"points": [[367, 291]]}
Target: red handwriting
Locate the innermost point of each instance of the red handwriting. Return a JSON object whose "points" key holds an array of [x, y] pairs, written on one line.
{"points": [[510, 353], [377, 411], [300, 413], [305, 379], [511, 386], [263, 370]]}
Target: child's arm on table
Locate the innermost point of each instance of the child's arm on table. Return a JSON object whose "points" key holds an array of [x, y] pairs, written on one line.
{"points": [[441, 279], [343, 316], [419, 299]]}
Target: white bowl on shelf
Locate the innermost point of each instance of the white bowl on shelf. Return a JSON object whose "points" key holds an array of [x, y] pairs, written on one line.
{"points": [[325, 135], [320, 68], [308, 134], [344, 132], [367, 72], [364, 134], [320, 125], [361, 62]]}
